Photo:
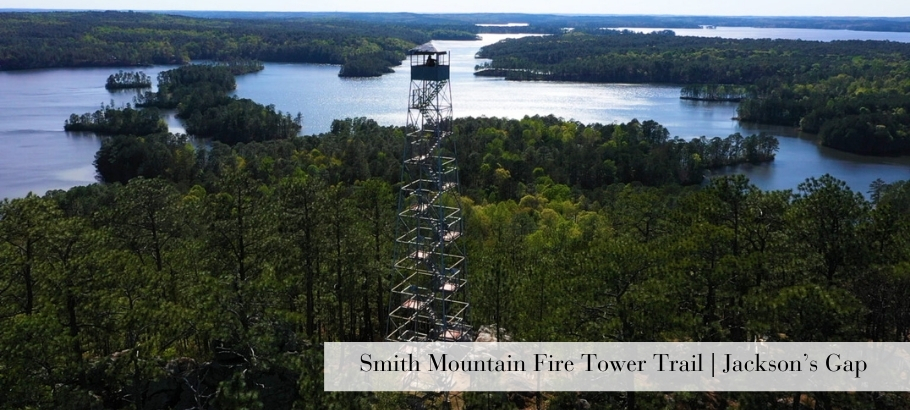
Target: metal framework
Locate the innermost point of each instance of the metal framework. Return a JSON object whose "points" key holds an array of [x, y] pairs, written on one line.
{"points": [[429, 298]]}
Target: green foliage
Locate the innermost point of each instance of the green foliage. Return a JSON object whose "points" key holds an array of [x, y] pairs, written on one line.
{"points": [[630, 57], [123, 80], [209, 278], [870, 134], [117, 39], [199, 93], [363, 65], [853, 93], [191, 84], [241, 120], [117, 121], [552, 156], [122, 158], [713, 92]]}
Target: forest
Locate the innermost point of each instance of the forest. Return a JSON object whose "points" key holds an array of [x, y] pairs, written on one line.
{"points": [[713, 92], [554, 23], [505, 154], [199, 93], [210, 277], [111, 120], [118, 39], [364, 44], [125, 80], [854, 94], [636, 151]]}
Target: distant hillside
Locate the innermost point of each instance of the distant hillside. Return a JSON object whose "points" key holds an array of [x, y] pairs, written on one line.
{"points": [[118, 39], [552, 22]]}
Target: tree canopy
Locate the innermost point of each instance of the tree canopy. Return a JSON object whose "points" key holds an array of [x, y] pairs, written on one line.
{"points": [[854, 94], [118, 39], [209, 277], [123, 80], [199, 92]]}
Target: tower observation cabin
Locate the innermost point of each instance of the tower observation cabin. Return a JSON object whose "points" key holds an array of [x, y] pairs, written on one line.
{"points": [[429, 299], [429, 64]]}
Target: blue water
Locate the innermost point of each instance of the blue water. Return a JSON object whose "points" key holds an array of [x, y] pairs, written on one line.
{"points": [[809, 34]]}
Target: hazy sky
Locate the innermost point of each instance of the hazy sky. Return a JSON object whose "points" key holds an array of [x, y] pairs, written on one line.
{"points": [[883, 8]]}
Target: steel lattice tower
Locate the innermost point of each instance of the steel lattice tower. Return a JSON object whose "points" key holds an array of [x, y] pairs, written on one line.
{"points": [[429, 299]]}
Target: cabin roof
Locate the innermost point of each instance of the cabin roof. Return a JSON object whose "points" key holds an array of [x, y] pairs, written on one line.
{"points": [[425, 49]]}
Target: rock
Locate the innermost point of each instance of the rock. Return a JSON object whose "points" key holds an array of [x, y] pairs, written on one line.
{"points": [[489, 334]]}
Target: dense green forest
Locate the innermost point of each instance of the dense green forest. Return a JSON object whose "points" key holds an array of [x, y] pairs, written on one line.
{"points": [[199, 82], [591, 155], [854, 94], [504, 155], [199, 93], [554, 23], [365, 44], [110, 120], [117, 39], [124, 80], [209, 277], [713, 92]]}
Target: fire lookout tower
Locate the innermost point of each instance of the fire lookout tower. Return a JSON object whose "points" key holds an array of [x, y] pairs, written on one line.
{"points": [[429, 299]]}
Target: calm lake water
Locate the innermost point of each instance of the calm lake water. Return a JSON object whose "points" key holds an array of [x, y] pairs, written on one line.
{"points": [[809, 34], [37, 155]]}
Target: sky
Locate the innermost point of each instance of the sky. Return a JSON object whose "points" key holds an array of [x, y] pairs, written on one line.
{"points": [[878, 8]]}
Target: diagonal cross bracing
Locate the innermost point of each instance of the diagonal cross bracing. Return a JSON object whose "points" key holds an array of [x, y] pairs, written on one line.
{"points": [[429, 298]]}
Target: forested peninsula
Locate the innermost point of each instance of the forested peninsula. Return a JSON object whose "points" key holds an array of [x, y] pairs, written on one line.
{"points": [[118, 39], [125, 80], [854, 94]]}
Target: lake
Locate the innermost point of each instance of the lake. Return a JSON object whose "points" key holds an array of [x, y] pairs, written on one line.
{"points": [[37, 155], [809, 34]]}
